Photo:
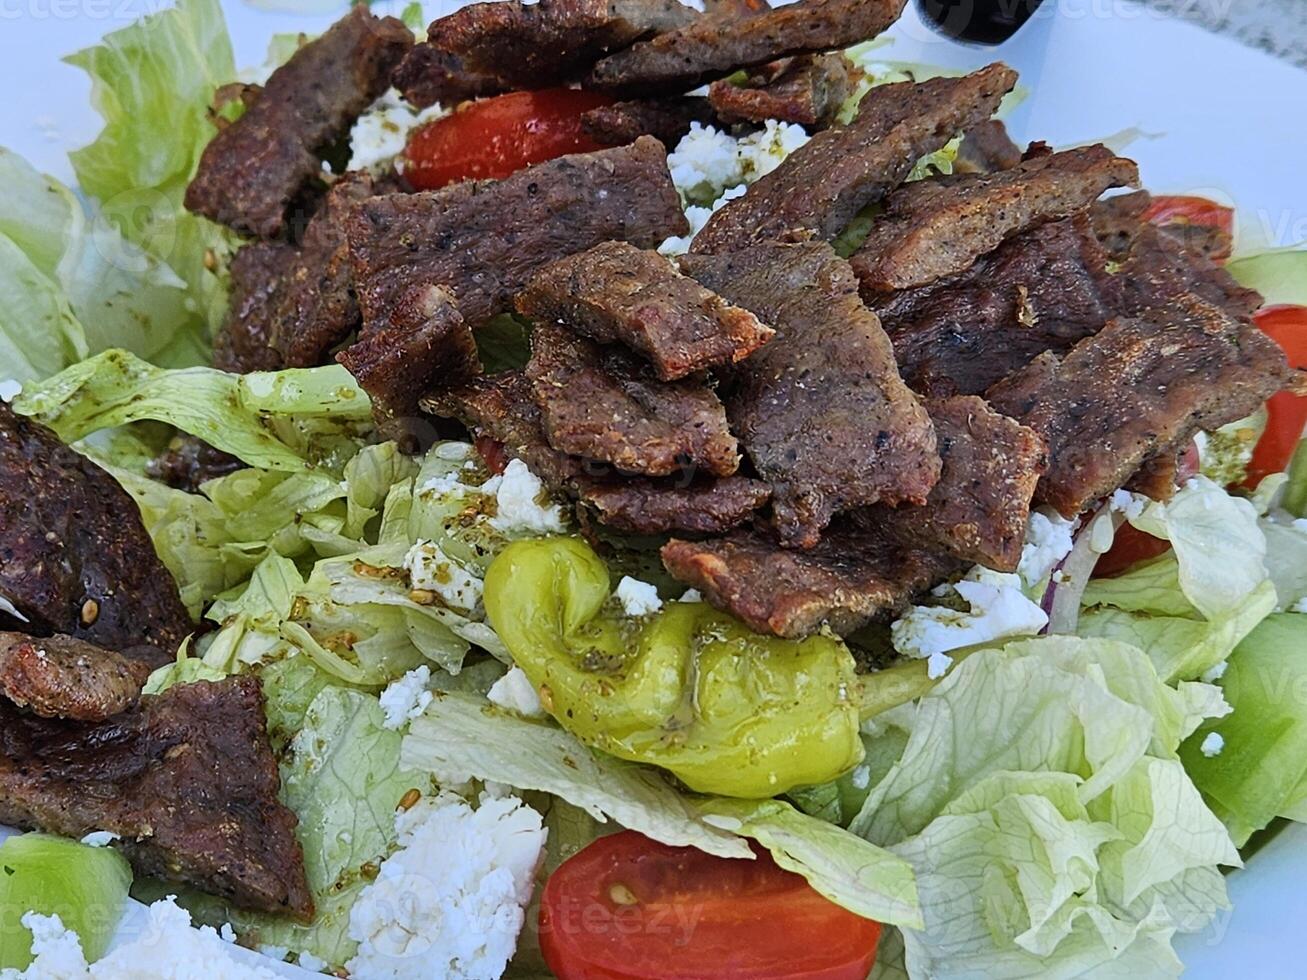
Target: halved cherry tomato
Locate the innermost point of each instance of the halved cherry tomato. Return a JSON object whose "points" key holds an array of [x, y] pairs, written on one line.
{"points": [[1286, 412], [629, 908], [492, 453], [492, 138], [1189, 209]]}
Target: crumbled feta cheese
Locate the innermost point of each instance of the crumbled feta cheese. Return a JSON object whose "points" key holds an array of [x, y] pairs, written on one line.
{"points": [[406, 698], [445, 484], [168, 949], [1129, 504], [10, 389], [691, 595], [1212, 745], [861, 776], [998, 609], [698, 217], [1049, 539], [515, 692], [763, 151], [937, 665], [451, 901], [1215, 673], [517, 495], [704, 163], [100, 838], [380, 133], [431, 570], [638, 598], [308, 961]]}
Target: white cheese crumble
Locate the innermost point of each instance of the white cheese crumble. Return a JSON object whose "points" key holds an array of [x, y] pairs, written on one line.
{"points": [[381, 133], [10, 389], [451, 901], [431, 570], [518, 492], [1212, 745], [997, 609], [100, 838], [708, 161], [691, 595], [1300, 606], [1049, 539], [638, 598], [407, 697], [169, 949], [515, 692], [698, 217], [307, 961], [1129, 504]]}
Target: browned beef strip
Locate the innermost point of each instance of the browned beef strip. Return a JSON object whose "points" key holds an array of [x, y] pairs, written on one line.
{"points": [[550, 42], [978, 510], [667, 120], [1118, 221], [936, 228], [501, 408], [1139, 388], [714, 46], [428, 75], [189, 462], [254, 168], [187, 780], [425, 343], [985, 148], [809, 92], [823, 184], [603, 403], [820, 408], [856, 574], [736, 8], [617, 293], [74, 555], [1160, 269], [258, 272], [1157, 477], [1044, 290], [62, 677], [702, 506], [483, 240]]}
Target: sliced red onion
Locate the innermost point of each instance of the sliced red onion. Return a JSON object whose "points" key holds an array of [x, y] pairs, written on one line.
{"points": [[1069, 579]]}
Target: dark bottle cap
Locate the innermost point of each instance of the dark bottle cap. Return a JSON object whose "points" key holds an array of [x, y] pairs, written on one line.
{"points": [[977, 21]]}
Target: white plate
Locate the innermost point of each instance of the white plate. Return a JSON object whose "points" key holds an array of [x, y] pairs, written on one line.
{"points": [[1219, 119]]}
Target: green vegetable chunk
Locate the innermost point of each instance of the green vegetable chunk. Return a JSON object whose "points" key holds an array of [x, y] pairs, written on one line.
{"points": [[689, 688], [85, 886]]}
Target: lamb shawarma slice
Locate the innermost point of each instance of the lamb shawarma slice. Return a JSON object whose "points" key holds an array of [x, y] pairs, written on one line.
{"points": [[1140, 388], [484, 240], [985, 148], [936, 228], [856, 574], [808, 92], [62, 677], [617, 293], [716, 45], [700, 506], [820, 408], [75, 557], [428, 75], [667, 119], [603, 403], [822, 185], [186, 779], [537, 45], [255, 167]]}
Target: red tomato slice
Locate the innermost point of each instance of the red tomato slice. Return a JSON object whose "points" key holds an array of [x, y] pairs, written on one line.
{"points": [[628, 908], [1189, 209], [493, 138], [1286, 412], [1129, 547]]}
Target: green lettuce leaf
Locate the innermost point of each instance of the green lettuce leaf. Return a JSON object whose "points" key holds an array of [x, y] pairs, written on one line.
{"points": [[154, 82], [1261, 770], [1051, 825], [1279, 275]]}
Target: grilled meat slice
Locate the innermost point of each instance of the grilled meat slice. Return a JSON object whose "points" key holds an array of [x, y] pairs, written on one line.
{"points": [[985, 148], [187, 780], [74, 555], [667, 120], [603, 403], [936, 228], [189, 462], [484, 240], [617, 293], [1161, 269], [428, 75], [1041, 291], [857, 574], [258, 274], [254, 168], [701, 506], [716, 45], [61, 677], [1141, 387], [809, 92], [822, 185], [820, 408]]}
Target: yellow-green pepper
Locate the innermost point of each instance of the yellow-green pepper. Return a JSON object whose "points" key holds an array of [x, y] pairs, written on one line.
{"points": [[688, 688]]}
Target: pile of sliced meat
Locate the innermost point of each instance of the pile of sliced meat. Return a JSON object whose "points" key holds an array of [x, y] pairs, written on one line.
{"points": [[818, 436]]}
